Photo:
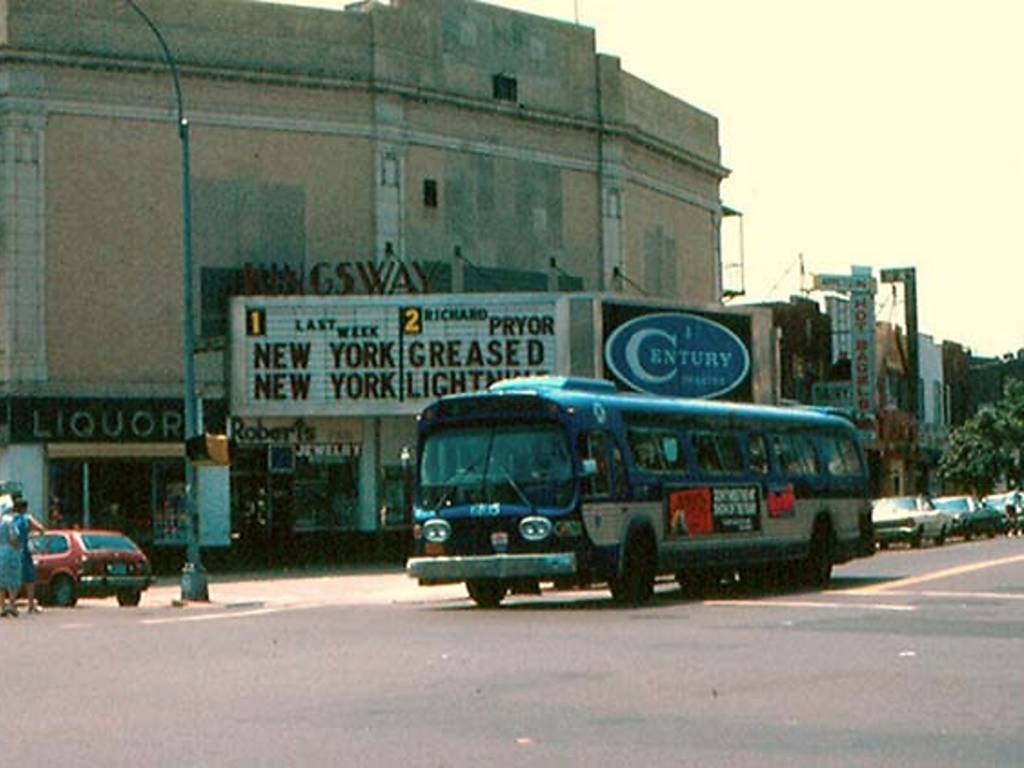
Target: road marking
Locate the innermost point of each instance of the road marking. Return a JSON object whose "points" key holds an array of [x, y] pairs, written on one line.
{"points": [[229, 615], [942, 594], [973, 595], [813, 604], [893, 586]]}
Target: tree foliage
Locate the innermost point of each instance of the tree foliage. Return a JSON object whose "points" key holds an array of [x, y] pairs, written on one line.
{"points": [[988, 447]]}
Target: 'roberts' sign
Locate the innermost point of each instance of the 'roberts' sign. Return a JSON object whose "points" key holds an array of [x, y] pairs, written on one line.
{"points": [[677, 355]]}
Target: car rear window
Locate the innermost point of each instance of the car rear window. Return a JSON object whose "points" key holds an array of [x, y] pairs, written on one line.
{"points": [[93, 541], [49, 544]]}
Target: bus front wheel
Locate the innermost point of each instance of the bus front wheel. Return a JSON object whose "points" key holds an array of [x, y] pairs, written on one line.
{"points": [[487, 593], [635, 584]]}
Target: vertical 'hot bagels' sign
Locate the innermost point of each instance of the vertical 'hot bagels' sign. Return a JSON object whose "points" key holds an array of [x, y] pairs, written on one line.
{"points": [[677, 354]]}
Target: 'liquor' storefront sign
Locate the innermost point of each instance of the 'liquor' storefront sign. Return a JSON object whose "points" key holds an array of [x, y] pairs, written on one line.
{"points": [[69, 420]]}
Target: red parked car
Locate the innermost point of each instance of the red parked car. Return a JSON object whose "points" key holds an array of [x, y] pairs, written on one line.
{"points": [[75, 563]]}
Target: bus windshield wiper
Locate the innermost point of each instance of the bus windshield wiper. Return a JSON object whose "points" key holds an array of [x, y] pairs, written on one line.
{"points": [[450, 485], [515, 487]]}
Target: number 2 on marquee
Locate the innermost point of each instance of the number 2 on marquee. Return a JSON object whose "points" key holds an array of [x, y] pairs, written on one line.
{"points": [[412, 321]]}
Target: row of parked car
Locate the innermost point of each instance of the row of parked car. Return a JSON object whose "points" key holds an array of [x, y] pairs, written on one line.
{"points": [[916, 519]]}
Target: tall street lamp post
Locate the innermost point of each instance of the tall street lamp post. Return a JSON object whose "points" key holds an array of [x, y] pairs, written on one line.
{"points": [[193, 576]]}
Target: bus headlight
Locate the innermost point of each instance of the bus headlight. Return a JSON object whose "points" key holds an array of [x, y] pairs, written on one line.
{"points": [[534, 528], [436, 531]]}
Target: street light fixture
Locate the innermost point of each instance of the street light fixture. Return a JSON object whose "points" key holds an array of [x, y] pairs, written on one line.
{"points": [[193, 576]]}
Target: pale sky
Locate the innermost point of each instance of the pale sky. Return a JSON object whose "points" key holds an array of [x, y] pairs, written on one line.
{"points": [[883, 133]]}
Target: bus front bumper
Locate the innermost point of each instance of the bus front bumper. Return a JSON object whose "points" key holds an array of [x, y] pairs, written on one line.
{"points": [[440, 570]]}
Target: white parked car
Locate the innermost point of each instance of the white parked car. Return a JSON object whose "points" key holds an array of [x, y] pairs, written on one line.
{"points": [[909, 519]]}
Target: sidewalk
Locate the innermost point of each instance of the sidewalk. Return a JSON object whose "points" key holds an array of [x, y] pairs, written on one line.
{"points": [[327, 585]]}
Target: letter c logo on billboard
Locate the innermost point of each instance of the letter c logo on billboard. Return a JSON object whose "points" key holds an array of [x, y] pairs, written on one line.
{"points": [[677, 355]]}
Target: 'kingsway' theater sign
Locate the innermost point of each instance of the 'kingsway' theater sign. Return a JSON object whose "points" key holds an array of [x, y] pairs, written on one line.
{"points": [[387, 355]]}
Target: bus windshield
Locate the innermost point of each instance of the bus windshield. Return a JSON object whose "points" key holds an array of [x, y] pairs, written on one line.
{"points": [[527, 465]]}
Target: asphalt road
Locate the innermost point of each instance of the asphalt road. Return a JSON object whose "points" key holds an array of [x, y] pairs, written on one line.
{"points": [[912, 658]]}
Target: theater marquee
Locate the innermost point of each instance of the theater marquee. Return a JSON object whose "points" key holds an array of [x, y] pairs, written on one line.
{"points": [[385, 356]]}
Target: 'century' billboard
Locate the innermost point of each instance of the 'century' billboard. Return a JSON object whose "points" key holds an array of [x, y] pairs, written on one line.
{"points": [[674, 353]]}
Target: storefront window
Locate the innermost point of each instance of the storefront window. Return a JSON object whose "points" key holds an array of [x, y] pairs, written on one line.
{"points": [[326, 490], [138, 497], [294, 489]]}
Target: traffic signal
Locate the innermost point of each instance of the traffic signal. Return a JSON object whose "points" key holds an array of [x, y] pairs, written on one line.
{"points": [[209, 450]]}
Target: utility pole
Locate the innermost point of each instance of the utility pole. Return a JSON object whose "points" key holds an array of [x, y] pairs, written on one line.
{"points": [[193, 576]]}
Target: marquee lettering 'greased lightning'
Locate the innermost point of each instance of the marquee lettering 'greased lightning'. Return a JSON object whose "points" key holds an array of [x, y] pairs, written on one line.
{"points": [[677, 354]]}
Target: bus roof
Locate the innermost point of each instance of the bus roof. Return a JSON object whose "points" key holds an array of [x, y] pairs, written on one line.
{"points": [[579, 391]]}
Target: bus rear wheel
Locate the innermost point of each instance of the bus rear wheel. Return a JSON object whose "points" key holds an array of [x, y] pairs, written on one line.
{"points": [[635, 585], [487, 593], [817, 567]]}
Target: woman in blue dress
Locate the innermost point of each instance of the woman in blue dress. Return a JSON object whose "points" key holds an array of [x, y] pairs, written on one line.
{"points": [[26, 526], [10, 558]]}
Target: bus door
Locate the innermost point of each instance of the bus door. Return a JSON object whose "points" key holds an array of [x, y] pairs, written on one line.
{"points": [[848, 489], [795, 484], [604, 495]]}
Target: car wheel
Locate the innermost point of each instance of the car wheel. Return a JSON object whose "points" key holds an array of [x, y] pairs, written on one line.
{"points": [[62, 591], [487, 593], [940, 539], [918, 538], [128, 598]]}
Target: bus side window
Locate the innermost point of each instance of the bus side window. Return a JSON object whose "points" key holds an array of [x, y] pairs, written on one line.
{"points": [[619, 471], [643, 444], [758, 451], [782, 456], [594, 445], [808, 454], [717, 452], [841, 456], [672, 452], [796, 455], [655, 450]]}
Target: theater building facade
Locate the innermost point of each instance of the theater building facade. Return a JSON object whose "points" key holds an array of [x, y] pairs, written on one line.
{"points": [[388, 203]]}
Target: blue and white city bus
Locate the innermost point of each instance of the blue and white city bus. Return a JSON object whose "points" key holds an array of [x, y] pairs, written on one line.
{"points": [[566, 480]]}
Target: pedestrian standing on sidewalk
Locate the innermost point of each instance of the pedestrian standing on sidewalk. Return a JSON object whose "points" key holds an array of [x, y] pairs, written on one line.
{"points": [[26, 526], [10, 558]]}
